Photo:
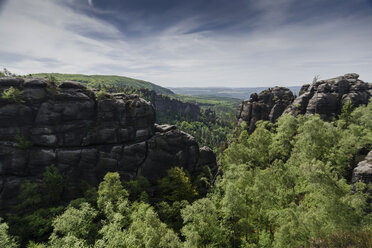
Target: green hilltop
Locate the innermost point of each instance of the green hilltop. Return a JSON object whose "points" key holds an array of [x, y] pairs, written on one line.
{"points": [[109, 81]]}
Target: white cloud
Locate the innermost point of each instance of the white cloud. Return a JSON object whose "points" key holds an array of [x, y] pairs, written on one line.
{"points": [[44, 36]]}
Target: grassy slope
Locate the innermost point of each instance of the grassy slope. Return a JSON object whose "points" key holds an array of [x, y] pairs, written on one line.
{"points": [[95, 80]]}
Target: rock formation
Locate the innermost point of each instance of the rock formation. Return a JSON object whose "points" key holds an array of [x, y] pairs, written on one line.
{"points": [[363, 171], [82, 136], [268, 105], [166, 106], [326, 97]]}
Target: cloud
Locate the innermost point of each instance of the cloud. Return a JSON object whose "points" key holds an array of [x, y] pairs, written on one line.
{"points": [[197, 50]]}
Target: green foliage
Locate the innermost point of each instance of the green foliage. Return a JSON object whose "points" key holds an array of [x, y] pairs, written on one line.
{"points": [[109, 82], [170, 213], [22, 142], [111, 192], [201, 225], [39, 204], [32, 244], [138, 188], [146, 230], [347, 109], [360, 238], [12, 95], [176, 186], [6, 241], [74, 222], [101, 95], [285, 185]]}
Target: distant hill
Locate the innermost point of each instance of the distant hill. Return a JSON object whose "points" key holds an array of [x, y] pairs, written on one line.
{"points": [[95, 81], [240, 93]]}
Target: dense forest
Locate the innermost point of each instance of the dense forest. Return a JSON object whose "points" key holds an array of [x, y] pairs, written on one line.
{"points": [[287, 184]]}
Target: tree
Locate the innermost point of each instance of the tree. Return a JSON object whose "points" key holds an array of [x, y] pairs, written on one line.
{"points": [[176, 186], [6, 241], [74, 227], [148, 231], [202, 227]]}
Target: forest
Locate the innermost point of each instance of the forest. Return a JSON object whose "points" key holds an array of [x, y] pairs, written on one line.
{"points": [[287, 184]]}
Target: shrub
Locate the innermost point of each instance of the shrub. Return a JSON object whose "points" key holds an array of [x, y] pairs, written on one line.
{"points": [[12, 95], [101, 95], [22, 142], [52, 85]]}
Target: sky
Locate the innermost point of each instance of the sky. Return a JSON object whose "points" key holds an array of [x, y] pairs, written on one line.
{"points": [[190, 43]]}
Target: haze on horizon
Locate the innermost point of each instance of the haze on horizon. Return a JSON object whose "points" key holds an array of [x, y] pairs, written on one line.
{"points": [[194, 43]]}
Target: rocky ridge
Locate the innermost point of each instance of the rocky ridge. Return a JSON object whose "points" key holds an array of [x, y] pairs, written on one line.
{"points": [[324, 97], [83, 137]]}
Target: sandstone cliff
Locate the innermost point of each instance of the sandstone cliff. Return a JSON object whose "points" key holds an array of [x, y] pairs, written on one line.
{"points": [[82, 136], [169, 109], [326, 97], [268, 105]]}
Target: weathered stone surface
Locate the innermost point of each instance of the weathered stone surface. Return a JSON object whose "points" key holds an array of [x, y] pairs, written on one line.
{"points": [[268, 105], [84, 138], [207, 156], [363, 172], [169, 149], [72, 85], [326, 97]]}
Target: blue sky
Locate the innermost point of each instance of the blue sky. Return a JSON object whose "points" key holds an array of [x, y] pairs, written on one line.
{"points": [[195, 43]]}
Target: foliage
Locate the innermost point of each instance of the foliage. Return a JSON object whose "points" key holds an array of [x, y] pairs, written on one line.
{"points": [[170, 213], [12, 95], [108, 82], [176, 186], [39, 204], [284, 185], [101, 95], [22, 142], [6, 241], [201, 225], [146, 230], [138, 188], [75, 226]]}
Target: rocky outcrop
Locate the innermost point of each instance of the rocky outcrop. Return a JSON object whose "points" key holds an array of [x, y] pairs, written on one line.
{"points": [[268, 105], [326, 97], [82, 136], [167, 107], [363, 172]]}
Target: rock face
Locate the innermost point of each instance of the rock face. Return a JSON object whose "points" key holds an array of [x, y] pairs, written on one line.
{"points": [[83, 137], [363, 172], [268, 105], [326, 97], [166, 106]]}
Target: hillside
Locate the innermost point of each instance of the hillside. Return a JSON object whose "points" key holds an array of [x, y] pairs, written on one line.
{"points": [[95, 81], [240, 93]]}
